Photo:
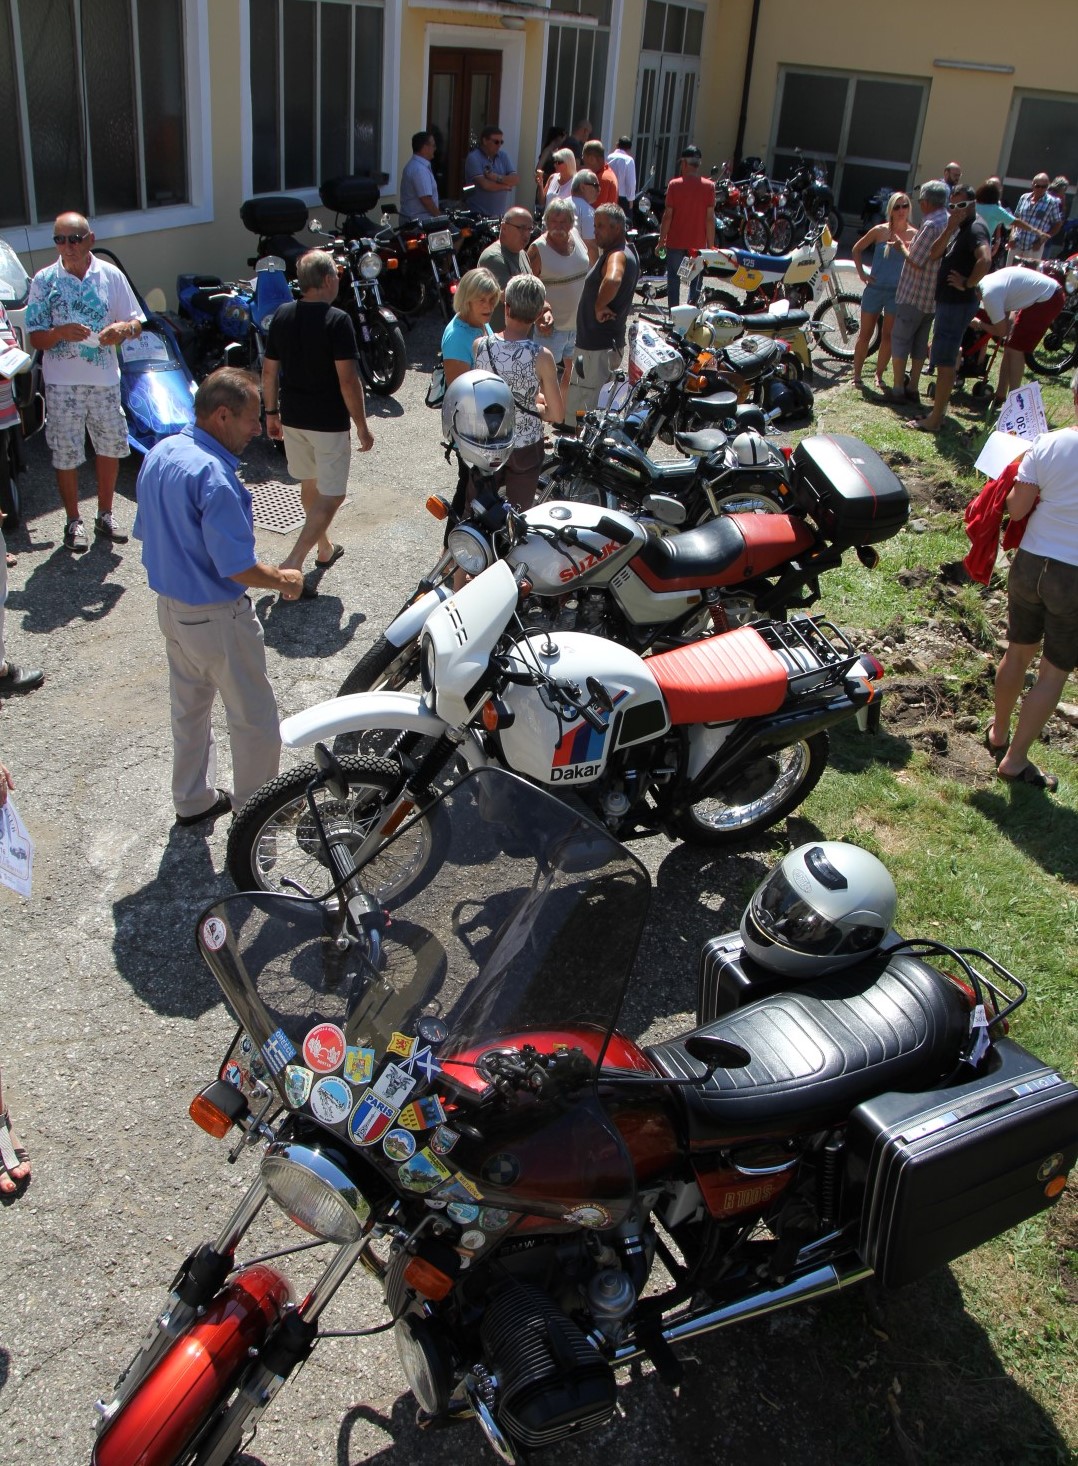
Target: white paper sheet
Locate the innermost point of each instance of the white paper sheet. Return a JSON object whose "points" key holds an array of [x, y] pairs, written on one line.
{"points": [[16, 850]]}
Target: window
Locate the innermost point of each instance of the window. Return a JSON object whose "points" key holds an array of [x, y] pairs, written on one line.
{"points": [[576, 62], [316, 91], [94, 102], [667, 86], [1042, 137]]}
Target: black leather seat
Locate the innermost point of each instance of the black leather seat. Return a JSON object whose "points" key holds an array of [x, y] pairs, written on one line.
{"points": [[751, 356], [776, 321], [694, 554], [702, 443], [819, 1050]]}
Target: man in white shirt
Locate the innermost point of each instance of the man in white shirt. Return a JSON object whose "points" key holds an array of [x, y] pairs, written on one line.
{"points": [[1021, 304], [419, 190], [624, 165]]}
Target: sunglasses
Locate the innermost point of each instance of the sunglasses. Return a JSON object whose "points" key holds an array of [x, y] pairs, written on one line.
{"points": [[902, 206], [69, 238], [963, 204]]}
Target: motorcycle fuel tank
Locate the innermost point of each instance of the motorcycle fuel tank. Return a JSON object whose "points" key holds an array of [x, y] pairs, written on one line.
{"points": [[553, 745], [558, 568]]}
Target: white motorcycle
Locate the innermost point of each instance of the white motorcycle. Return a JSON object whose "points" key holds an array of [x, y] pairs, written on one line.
{"points": [[709, 742]]}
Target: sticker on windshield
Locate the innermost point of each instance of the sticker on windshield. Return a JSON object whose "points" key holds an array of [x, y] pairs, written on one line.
{"points": [[297, 1084], [358, 1064], [494, 1218], [443, 1140], [424, 1064], [423, 1114], [370, 1119], [459, 1188], [214, 933], [401, 1044], [394, 1085], [463, 1212], [591, 1215], [473, 1240], [324, 1047], [278, 1050], [423, 1172], [232, 1074], [399, 1145], [331, 1101]]}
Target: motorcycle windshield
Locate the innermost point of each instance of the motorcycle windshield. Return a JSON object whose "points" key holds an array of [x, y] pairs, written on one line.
{"points": [[14, 281], [522, 930]]}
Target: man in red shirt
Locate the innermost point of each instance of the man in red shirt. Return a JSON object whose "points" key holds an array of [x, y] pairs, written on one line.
{"points": [[688, 222], [595, 159]]}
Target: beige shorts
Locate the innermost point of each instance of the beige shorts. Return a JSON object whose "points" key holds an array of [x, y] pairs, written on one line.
{"points": [[322, 456]]}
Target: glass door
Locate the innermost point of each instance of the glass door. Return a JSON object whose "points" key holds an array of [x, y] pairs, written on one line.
{"points": [[463, 97]]}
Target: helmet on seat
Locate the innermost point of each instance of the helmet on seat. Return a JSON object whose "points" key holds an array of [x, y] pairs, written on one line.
{"points": [[825, 905], [750, 449], [479, 417], [715, 328]]}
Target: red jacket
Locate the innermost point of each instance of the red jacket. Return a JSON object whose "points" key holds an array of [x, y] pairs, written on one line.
{"points": [[984, 516]]}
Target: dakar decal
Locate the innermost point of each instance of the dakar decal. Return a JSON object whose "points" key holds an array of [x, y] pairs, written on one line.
{"points": [[579, 751]]}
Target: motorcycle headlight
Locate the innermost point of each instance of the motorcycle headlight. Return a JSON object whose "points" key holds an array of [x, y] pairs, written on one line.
{"points": [[370, 265], [264, 323], [643, 203], [314, 1191], [426, 663], [469, 549]]}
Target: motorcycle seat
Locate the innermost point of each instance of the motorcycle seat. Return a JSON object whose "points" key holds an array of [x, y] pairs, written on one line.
{"points": [[721, 678], [724, 551], [780, 321], [751, 356], [703, 443], [819, 1050]]}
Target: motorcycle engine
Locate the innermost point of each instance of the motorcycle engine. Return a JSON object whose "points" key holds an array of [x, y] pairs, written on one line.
{"points": [[551, 1383]]}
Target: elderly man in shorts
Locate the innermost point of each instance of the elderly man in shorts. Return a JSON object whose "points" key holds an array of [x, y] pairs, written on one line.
{"points": [[79, 310], [1042, 602], [915, 296], [313, 393]]}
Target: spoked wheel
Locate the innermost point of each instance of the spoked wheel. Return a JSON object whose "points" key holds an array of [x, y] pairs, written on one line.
{"points": [[720, 299], [782, 235], [1058, 351], [752, 499], [384, 359], [274, 839], [837, 323], [756, 796], [756, 234], [384, 668]]}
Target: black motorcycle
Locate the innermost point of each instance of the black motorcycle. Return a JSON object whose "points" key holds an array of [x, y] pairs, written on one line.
{"points": [[383, 357], [808, 199]]}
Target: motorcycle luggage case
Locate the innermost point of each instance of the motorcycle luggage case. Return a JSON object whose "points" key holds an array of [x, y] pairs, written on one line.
{"points": [[275, 215], [349, 194], [942, 1172], [848, 490], [728, 979]]}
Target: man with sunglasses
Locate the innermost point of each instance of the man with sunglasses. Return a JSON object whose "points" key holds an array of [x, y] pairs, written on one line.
{"points": [[964, 250], [491, 169], [79, 311]]}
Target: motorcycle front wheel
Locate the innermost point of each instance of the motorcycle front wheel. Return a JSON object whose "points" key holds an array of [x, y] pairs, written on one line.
{"points": [[756, 234], [1058, 351], [274, 840], [383, 668], [756, 796], [782, 235], [837, 323], [383, 360]]}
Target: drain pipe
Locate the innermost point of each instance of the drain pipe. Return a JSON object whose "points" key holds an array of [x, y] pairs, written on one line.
{"points": [[746, 85]]}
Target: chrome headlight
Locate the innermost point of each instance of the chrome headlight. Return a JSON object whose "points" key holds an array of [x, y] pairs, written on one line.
{"points": [[670, 370], [264, 323], [369, 265], [469, 549], [643, 203], [314, 1191]]}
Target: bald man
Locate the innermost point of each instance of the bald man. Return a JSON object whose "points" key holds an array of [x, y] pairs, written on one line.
{"points": [[79, 311], [507, 256]]}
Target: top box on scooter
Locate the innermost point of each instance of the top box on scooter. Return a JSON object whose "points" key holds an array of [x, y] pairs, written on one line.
{"points": [[278, 214], [349, 194], [848, 490]]}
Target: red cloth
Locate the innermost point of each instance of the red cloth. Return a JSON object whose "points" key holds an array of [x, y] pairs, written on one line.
{"points": [[608, 186], [689, 200], [984, 516]]}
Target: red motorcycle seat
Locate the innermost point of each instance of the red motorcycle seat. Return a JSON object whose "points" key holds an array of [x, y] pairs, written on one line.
{"points": [[724, 551], [819, 1050], [721, 679]]}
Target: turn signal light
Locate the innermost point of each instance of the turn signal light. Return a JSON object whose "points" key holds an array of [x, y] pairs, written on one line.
{"points": [[438, 507], [392, 264], [1055, 1186], [208, 1117], [490, 717], [787, 452], [427, 1279]]}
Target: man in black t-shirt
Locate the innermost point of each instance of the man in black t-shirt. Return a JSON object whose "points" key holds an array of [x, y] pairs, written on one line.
{"points": [[966, 250], [313, 393]]}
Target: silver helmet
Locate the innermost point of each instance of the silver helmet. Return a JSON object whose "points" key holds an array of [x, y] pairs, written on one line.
{"points": [[479, 418], [825, 905], [750, 449]]}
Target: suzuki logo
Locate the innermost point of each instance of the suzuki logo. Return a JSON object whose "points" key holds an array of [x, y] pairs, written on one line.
{"points": [[589, 561]]}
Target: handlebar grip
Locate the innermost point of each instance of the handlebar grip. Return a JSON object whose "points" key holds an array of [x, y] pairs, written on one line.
{"points": [[622, 533]]}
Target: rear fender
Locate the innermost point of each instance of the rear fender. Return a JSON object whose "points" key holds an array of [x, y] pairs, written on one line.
{"points": [[184, 1389], [360, 711]]}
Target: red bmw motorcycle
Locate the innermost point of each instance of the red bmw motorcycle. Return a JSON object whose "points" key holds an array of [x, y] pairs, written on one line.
{"points": [[428, 1067]]}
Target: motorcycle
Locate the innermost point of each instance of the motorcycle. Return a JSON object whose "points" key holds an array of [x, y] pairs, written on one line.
{"points": [[428, 272], [807, 199], [27, 387], [473, 232], [226, 324], [276, 220], [383, 356], [429, 1069], [1057, 352]]}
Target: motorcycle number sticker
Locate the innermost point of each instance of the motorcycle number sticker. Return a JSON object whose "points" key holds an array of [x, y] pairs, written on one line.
{"points": [[358, 1064], [423, 1172], [331, 1101], [399, 1145], [214, 933], [278, 1050], [323, 1048], [297, 1084], [590, 1215], [370, 1119], [394, 1085]]}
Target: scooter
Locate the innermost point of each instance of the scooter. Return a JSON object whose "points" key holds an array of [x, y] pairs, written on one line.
{"points": [[227, 324], [428, 1070]]}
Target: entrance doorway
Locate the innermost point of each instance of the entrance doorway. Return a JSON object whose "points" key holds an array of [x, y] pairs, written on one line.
{"points": [[463, 96]]}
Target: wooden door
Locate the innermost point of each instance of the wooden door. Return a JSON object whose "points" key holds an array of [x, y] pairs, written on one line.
{"points": [[463, 96]]}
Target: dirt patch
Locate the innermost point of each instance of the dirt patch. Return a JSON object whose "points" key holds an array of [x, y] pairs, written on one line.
{"points": [[929, 492]]}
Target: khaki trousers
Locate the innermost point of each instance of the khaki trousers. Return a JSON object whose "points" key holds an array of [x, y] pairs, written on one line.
{"points": [[218, 648], [591, 372]]}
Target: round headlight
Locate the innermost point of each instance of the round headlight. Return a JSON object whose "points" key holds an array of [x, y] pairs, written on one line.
{"points": [[370, 265], [469, 549], [264, 323], [643, 203], [671, 370], [426, 663], [314, 1191]]}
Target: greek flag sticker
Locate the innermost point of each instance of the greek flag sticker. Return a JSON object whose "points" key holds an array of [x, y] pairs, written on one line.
{"points": [[278, 1050]]}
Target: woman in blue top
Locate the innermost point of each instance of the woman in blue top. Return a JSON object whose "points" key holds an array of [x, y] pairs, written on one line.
{"points": [[473, 305], [879, 292]]}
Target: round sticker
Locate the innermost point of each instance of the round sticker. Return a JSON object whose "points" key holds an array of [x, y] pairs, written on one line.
{"points": [[331, 1101], [435, 1205], [463, 1213], [501, 1169], [494, 1218], [399, 1145], [473, 1240], [214, 933], [323, 1048], [432, 1031]]}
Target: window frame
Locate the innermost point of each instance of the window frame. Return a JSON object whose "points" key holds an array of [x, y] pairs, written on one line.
{"points": [[1011, 181], [199, 208], [564, 19]]}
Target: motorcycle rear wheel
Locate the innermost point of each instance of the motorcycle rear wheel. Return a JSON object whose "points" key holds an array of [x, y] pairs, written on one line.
{"points": [[757, 796], [1058, 350], [781, 237], [830, 318], [756, 235], [384, 360], [383, 668], [274, 836]]}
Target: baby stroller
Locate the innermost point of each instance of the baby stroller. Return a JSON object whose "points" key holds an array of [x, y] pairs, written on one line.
{"points": [[976, 357]]}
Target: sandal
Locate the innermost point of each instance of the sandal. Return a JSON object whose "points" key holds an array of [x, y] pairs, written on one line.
{"points": [[997, 750], [338, 551], [12, 1156], [1033, 776]]}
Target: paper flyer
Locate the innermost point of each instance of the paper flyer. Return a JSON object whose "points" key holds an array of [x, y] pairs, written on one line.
{"points": [[1001, 449], [16, 850]]}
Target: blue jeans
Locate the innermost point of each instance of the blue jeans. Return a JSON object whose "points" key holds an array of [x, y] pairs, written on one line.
{"points": [[674, 258]]}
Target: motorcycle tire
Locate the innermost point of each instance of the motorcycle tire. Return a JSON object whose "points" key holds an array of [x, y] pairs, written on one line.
{"points": [[831, 316], [10, 498], [406, 293], [383, 361], [273, 837], [383, 668], [756, 234], [719, 299], [834, 223], [756, 796], [781, 236], [1057, 352], [757, 499]]}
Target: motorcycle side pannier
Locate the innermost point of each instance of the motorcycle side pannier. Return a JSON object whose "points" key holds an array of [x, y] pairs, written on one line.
{"points": [[848, 490], [349, 194], [276, 215], [942, 1172]]}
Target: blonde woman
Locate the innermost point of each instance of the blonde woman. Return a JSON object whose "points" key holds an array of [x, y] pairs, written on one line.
{"points": [[560, 183], [473, 305], [892, 240]]}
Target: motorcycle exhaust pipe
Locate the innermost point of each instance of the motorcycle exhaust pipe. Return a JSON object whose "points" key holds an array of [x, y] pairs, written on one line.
{"points": [[804, 1289]]}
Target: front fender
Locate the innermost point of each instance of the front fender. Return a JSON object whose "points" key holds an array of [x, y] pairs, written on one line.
{"points": [[362, 710], [407, 626]]}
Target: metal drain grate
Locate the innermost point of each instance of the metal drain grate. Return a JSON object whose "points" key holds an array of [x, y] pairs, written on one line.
{"points": [[276, 506]]}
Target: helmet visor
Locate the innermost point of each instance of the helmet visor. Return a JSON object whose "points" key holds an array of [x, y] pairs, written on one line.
{"points": [[783, 916]]}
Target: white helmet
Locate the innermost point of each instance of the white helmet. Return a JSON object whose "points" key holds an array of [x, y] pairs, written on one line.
{"points": [[715, 328], [825, 905], [479, 417], [750, 449]]}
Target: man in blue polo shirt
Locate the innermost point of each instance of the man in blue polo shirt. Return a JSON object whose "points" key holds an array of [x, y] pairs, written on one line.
{"points": [[198, 548]]}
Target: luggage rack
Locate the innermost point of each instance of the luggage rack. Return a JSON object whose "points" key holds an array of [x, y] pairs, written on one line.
{"points": [[811, 647], [1002, 1002]]}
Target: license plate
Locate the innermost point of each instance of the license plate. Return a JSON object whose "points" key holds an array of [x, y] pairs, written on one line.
{"points": [[687, 269], [441, 240]]}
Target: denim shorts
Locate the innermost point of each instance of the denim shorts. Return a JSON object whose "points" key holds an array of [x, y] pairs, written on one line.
{"points": [[877, 298], [1042, 601], [560, 344], [952, 318]]}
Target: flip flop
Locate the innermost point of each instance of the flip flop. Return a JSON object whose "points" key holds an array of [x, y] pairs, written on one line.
{"points": [[11, 1157], [11, 561], [1033, 776], [338, 551], [997, 750]]}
